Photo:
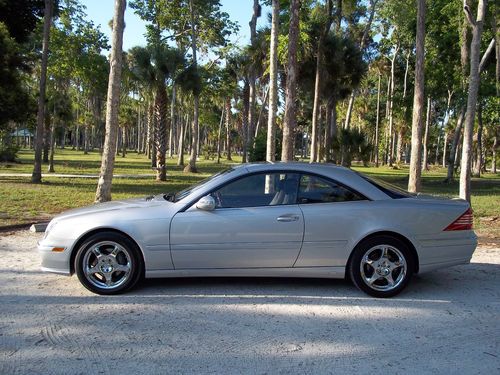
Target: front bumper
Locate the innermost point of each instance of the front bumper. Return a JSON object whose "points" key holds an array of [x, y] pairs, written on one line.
{"points": [[52, 261]]}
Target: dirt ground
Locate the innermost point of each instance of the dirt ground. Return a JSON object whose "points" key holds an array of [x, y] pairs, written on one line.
{"points": [[445, 322]]}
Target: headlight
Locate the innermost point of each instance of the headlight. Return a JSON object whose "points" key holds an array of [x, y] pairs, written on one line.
{"points": [[51, 226]]}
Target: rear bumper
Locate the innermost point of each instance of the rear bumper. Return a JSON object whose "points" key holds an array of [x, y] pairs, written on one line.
{"points": [[446, 250]]}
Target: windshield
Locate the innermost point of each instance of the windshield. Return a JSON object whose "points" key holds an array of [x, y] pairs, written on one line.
{"points": [[393, 191], [184, 193]]}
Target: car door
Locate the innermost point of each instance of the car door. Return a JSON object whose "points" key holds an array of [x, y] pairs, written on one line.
{"points": [[332, 213], [256, 224]]}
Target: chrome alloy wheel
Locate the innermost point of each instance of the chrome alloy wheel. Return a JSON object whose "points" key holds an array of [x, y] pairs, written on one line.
{"points": [[107, 264], [383, 268]]}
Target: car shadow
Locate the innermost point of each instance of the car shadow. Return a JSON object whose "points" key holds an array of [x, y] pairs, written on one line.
{"points": [[454, 283]]}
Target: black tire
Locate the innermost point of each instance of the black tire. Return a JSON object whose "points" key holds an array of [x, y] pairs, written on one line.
{"points": [[108, 263], [372, 272]]}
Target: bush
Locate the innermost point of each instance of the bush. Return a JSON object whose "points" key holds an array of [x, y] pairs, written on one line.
{"points": [[209, 152], [8, 153], [257, 151], [351, 143]]}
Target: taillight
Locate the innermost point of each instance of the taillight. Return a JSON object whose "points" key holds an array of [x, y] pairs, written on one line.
{"points": [[464, 222]]}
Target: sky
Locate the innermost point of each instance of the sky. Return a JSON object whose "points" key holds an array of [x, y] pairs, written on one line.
{"points": [[101, 12]]}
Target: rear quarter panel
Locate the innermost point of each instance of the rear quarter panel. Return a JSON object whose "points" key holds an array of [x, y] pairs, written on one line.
{"points": [[332, 230]]}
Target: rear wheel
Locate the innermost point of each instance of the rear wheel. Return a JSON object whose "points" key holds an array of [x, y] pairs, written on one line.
{"points": [[381, 266], [108, 263]]}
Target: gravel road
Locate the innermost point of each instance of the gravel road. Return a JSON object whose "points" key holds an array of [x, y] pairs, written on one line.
{"points": [[446, 322]]}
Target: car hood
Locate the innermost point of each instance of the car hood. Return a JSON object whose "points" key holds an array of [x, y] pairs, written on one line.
{"points": [[112, 206]]}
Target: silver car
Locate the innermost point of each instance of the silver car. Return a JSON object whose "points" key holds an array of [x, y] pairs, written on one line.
{"points": [[271, 220]]}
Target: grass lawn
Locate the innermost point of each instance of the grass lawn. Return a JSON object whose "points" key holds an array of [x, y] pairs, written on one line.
{"points": [[23, 202]]}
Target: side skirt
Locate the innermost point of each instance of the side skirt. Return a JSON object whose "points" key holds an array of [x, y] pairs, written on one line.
{"points": [[306, 272]]}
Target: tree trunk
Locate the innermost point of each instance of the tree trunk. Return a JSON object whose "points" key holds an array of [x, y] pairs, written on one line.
{"points": [[399, 148], [315, 133], [290, 117], [454, 146], [124, 141], [418, 104], [180, 150], [319, 151], [46, 136], [477, 29], [425, 162], [479, 152], [103, 192], [445, 141], [391, 109], [494, 155], [244, 121], [386, 139], [172, 133], [191, 167], [139, 130], [273, 85], [378, 119], [219, 136], [228, 128], [52, 146], [36, 176], [259, 119], [436, 160], [403, 127], [161, 131], [329, 129], [252, 76]]}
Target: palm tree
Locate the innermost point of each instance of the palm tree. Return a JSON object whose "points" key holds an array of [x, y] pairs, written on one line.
{"points": [[418, 104], [153, 65], [290, 119], [477, 29], [103, 192], [273, 84], [36, 177], [343, 72]]}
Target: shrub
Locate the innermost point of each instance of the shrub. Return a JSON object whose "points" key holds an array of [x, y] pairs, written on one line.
{"points": [[8, 153]]}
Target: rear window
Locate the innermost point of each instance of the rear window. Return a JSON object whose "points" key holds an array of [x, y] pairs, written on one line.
{"points": [[391, 190]]}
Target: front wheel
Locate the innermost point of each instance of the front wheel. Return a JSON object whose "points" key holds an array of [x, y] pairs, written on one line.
{"points": [[381, 266], [108, 263]]}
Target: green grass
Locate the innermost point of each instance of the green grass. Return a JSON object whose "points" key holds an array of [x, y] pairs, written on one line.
{"points": [[23, 202]]}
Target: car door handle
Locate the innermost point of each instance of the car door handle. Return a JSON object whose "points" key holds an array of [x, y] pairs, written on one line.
{"points": [[287, 218]]}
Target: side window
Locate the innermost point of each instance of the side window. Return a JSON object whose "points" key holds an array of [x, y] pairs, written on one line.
{"points": [[265, 189], [314, 189]]}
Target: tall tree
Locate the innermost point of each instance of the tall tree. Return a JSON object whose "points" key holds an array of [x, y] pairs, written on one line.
{"points": [[103, 192], [477, 30], [319, 61], [195, 25], [36, 176], [153, 65], [195, 130], [418, 103], [253, 75], [290, 118], [363, 42], [425, 162], [273, 84]]}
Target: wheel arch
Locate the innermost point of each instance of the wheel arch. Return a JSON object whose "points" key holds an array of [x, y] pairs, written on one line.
{"points": [[92, 232], [399, 236]]}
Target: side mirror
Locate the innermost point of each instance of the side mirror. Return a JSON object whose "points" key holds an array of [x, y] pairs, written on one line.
{"points": [[207, 203]]}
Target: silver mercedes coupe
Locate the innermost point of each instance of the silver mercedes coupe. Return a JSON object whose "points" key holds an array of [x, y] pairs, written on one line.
{"points": [[264, 220]]}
